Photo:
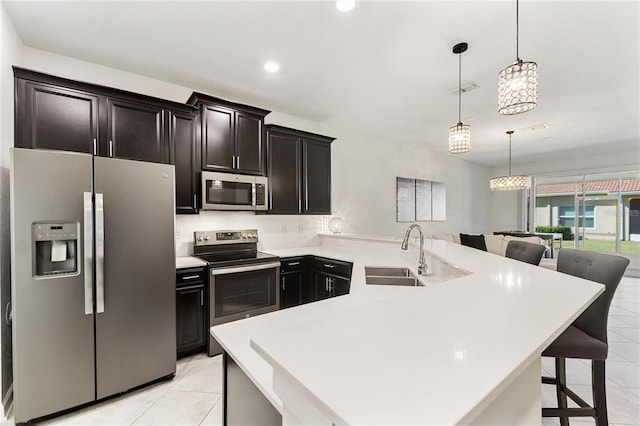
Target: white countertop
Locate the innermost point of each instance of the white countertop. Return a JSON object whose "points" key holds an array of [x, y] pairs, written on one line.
{"points": [[189, 262], [436, 354]]}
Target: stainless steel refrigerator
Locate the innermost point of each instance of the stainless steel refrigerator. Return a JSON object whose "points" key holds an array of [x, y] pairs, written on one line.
{"points": [[93, 278]]}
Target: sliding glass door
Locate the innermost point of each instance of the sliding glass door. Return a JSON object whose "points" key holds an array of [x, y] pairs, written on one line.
{"points": [[593, 212]]}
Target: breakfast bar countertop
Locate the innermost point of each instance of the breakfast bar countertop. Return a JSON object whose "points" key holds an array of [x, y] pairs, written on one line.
{"points": [[440, 353]]}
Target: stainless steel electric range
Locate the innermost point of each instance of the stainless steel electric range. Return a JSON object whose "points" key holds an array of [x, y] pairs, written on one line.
{"points": [[243, 281]]}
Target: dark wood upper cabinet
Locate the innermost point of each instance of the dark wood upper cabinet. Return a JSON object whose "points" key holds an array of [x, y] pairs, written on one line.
{"points": [[52, 117], [316, 178], [232, 135], [284, 162], [299, 170], [184, 145], [218, 130], [136, 131]]}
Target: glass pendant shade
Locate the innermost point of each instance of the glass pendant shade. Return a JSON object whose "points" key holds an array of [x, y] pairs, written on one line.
{"points": [[518, 88], [510, 183], [459, 138]]}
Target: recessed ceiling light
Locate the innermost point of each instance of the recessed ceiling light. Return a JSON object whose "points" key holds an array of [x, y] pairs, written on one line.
{"points": [[345, 5], [271, 66]]}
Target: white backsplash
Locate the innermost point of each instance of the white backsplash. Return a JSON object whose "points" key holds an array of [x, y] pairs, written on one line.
{"points": [[273, 231]]}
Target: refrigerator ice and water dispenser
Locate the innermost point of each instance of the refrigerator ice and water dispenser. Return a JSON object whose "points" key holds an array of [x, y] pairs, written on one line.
{"points": [[55, 249]]}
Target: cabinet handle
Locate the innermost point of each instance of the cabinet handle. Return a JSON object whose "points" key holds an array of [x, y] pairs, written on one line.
{"points": [[95, 146], [191, 287], [201, 297], [110, 148], [327, 265], [326, 284], [238, 162], [330, 284], [283, 283], [293, 263], [191, 277], [233, 162], [195, 203]]}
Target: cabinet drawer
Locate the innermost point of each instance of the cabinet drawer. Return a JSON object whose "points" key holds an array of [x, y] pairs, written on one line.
{"points": [[292, 264], [332, 267], [190, 276]]}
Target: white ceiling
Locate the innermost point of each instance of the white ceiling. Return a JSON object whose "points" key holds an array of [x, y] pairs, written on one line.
{"points": [[384, 69]]}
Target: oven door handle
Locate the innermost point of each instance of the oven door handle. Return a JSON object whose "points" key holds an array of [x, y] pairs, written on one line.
{"points": [[248, 268]]}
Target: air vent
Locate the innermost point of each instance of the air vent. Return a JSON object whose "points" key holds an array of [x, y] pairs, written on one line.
{"points": [[541, 126], [466, 87]]}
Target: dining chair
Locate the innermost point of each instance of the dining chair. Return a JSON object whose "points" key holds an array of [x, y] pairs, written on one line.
{"points": [[525, 252], [586, 337]]}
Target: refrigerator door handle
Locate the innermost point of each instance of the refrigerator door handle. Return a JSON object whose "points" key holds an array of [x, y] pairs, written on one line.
{"points": [[99, 253], [88, 253]]}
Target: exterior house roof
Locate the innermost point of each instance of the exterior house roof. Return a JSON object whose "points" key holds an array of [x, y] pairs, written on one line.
{"points": [[603, 186]]}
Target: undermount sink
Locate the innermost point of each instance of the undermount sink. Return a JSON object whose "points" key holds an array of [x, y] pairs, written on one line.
{"points": [[390, 276]]}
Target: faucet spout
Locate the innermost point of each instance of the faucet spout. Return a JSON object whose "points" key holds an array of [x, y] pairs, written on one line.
{"points": [[422, 265]]}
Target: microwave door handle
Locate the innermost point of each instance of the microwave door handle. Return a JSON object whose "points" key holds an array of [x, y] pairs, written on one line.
{"points": [[253, 194]]}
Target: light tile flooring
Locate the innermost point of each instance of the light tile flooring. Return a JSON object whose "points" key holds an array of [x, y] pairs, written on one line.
{"points": [[193, 397]]}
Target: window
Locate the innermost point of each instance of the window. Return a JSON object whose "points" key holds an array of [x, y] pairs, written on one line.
{"points": [[566, 216]]}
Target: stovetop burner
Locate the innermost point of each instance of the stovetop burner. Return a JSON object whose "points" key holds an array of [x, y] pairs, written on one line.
{"points": [[229, 248]]}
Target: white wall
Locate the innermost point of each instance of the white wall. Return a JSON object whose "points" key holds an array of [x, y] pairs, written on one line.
{"points": [[12, 54], [364, 172]]}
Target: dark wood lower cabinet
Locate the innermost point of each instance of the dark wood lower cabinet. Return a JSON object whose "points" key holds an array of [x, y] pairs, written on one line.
{"points": [[306, 279], [190, 311]]}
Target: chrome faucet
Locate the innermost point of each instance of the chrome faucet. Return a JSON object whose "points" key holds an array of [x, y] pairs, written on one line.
{"points": [[422, 266]]}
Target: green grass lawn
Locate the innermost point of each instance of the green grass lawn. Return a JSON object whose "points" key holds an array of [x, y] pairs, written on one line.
{"points": [[607, 246]]}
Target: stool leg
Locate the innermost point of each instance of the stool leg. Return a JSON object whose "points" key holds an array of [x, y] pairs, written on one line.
{"points": [[599, 379], [561, 376]]}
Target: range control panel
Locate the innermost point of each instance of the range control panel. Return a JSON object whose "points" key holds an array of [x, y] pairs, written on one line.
{"points": [[209, 238]]}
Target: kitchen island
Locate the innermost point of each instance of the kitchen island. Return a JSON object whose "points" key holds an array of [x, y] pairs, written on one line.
{"points": [[456, 350]]}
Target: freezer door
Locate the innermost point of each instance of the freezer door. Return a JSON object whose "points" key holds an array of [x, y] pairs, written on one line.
{"points": [[53, 335], [135, 321]]}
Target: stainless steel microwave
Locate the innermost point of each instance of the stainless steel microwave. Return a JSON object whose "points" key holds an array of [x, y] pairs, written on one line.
{"points": [[224, 191]]}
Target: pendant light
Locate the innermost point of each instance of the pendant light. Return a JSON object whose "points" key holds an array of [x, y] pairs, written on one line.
{"points": [[518, 83], [510, 183], [460, 134]]}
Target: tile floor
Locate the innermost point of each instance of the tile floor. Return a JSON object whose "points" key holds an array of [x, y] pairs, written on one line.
{"points": [[193, 397]]}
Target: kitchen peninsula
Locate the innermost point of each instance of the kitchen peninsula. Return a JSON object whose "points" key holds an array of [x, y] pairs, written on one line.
{"points": [[463, 350]]}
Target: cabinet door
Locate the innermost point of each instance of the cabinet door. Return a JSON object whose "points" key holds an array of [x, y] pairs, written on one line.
{"points": [[218, 138], [50, 117], [284, 160], [185, 152], [190, 319], [250, 152], [136, 131], [323, 288], [316, 177], [290, 289], [340, 286]]}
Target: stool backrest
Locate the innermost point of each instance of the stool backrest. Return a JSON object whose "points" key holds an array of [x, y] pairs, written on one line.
{"points": [[525, 252], [603, 268]]}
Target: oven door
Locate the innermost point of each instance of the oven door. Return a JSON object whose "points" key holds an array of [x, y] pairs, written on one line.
{"points": [[222, 191], [241, 292]]}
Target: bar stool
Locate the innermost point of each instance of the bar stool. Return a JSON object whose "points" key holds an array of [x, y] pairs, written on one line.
{"points": [[525, 252], [586, 337]]}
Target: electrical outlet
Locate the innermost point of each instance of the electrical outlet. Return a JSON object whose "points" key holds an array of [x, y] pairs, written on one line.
{"points": [[301, 227], [178, 233], [284, 227]]}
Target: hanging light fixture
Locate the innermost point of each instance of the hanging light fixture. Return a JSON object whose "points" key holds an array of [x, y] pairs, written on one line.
{"points": [[518, 83], [460, 134], [510, 183]]}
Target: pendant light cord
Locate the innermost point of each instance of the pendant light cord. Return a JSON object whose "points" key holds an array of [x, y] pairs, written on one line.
{"points": [[517, 30], [509, 155], [459, 88]]}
